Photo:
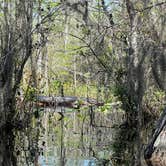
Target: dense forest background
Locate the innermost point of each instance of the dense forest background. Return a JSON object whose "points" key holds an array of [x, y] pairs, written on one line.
{"points": [[109, 50]]}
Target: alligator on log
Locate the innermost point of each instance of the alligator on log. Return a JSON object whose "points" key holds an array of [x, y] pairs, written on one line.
{"points": [[67, 101]]}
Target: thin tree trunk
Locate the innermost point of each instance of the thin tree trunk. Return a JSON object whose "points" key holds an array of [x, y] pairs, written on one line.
{"points": [[135, 77]]}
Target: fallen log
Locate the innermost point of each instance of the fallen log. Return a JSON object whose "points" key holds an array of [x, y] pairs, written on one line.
{"points": [[67, 101]]}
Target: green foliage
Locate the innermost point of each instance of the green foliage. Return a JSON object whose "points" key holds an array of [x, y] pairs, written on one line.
{"points": [[120, 91], [154, 101], [53, 4], [123, 145], [86, 31], [30, 94], [105, 109], [55, 86]]}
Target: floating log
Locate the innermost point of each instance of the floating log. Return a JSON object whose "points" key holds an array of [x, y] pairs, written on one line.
{"points": [[67, 101]]}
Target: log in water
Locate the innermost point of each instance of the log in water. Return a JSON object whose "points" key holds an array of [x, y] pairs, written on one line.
{"points": [[67, 101]]}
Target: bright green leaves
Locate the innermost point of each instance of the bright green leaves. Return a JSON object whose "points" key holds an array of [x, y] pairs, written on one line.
{"points": [[53, 4]]}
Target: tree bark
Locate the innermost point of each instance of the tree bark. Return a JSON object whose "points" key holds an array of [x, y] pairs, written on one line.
{"points": [[135, 78], [159, 127], [15, 49], [7, 157]]}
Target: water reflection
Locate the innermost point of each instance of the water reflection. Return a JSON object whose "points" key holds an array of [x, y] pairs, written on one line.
{"points": [[79, 138]]}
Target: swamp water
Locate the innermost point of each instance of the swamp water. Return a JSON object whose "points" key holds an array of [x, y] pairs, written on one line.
{"points": [[67, 137], [79, 138]]}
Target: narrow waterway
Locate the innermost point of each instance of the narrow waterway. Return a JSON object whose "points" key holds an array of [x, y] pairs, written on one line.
{"points": [[79, 138], [67, 137]]}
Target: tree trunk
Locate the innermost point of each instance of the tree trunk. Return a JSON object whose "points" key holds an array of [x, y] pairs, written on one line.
{"points": [[7, 157], [135, 79], [16, 47], [159, 127]]}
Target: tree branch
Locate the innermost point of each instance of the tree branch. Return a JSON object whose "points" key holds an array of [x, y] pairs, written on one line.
{"points": [[152, 6]]}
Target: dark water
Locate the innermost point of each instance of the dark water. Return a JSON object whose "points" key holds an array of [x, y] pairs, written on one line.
{"points": [[80, 138]]}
